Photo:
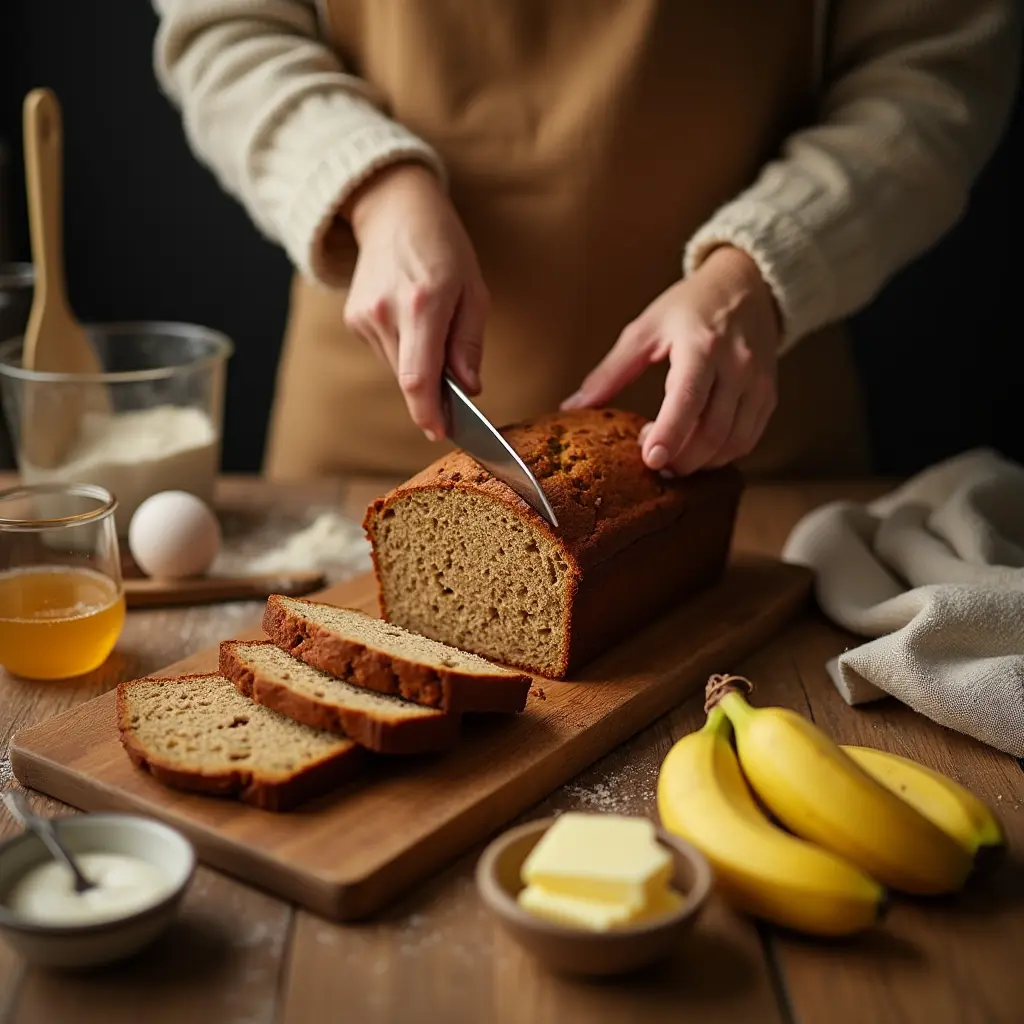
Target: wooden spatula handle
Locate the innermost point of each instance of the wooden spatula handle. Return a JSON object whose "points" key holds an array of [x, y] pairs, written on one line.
{"points": [[44, 155], [54, 342], [150, 593]]}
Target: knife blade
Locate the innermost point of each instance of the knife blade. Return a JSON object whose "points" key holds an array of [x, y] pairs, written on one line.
{"points": [[474, 433]]}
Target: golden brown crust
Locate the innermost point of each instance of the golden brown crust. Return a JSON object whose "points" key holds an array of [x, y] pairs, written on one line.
{"points": [[425, 735], [592, 472], [695, 547], [448, 689], [607, 502], [248, 786]]}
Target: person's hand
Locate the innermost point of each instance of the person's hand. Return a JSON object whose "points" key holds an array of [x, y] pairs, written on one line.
{"points": [[417, 295], [719, 329]]}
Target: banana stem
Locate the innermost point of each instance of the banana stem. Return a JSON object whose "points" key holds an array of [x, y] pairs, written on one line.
{"points": [[717, 722], [721, 684]]}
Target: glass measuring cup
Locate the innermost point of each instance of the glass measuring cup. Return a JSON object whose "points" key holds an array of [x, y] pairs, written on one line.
{"points": [[62, 604], [16, 285], [165, 384]]}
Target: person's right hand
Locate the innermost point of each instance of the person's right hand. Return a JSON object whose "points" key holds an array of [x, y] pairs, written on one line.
{"points": [[417, 295]]}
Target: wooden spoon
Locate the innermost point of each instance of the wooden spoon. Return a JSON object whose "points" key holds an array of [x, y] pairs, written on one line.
{"points": [[55, 342]]}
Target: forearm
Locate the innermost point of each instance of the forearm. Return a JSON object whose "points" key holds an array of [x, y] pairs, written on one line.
{"points": [[270, 110], [917, 98]]}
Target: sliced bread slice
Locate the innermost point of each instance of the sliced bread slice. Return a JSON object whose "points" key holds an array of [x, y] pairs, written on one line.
{"points": [[377, 655], [197, 732], [378, 721]]}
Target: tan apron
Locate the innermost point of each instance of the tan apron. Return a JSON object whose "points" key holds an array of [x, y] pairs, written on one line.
{"points": [[585, 141]]}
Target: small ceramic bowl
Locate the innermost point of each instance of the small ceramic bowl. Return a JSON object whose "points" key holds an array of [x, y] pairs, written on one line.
{"points": [[89, 945], [575, 950]]}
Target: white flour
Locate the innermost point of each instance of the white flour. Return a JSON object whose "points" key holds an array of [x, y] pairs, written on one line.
{"points": [[139, 453], [329, 542]]}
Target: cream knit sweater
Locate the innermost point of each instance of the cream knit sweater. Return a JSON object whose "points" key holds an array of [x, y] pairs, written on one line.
{"points": [[913, 101]]}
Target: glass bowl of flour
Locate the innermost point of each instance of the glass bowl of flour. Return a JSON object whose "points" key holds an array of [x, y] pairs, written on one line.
{"points": [[158, 427]]}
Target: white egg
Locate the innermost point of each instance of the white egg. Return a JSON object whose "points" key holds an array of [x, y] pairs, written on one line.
{"points": [[174, 534]]}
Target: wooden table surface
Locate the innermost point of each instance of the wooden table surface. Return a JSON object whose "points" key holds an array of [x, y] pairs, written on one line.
{"points": [[241, 956]]}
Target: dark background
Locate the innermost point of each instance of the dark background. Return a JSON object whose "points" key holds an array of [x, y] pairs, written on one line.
{"points": [[151, 236]]}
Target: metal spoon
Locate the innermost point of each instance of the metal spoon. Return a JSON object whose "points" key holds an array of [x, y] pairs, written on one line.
{"points": [[43, 827]]}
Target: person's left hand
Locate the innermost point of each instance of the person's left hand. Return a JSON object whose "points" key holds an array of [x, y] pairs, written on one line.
{"points": [[719, 329]]}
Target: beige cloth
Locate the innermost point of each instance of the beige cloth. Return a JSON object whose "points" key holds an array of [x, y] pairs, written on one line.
{"points": [[934, 573]]}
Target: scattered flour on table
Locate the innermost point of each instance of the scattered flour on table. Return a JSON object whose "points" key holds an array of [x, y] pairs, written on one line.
{"points": [[255, 935], [446, 919], [628, 790], [330, 541], [601, 797], [443, 920]]}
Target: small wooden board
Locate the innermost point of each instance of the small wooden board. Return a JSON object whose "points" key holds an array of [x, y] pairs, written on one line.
{"points": [[346, 855]]}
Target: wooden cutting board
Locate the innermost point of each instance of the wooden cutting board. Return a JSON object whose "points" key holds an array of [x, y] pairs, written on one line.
{"points": [[346, 855]]}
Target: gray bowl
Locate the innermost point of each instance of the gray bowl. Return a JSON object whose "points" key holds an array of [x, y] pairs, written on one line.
{"points": [[89, 945], [574, 951]]}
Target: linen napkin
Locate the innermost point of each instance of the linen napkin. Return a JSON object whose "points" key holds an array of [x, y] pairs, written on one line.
{"points": [[933, 574]]}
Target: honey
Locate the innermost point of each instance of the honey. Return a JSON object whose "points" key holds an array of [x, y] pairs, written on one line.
{"points": [[57, 622]]}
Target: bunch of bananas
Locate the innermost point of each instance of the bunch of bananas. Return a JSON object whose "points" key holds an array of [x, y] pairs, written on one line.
{"points": [[860, 821]]}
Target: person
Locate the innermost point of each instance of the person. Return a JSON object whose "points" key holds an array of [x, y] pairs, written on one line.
{"points": [[669, 206]]}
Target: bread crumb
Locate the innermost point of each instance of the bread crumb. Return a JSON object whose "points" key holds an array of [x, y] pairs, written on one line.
{"points": [[539, 693]]}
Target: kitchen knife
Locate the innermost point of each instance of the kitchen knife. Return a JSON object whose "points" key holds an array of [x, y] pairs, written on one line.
{"points": [[470, 429]]}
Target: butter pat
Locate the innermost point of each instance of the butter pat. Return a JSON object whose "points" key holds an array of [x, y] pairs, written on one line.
{"points": [[668, 901], [575, 911], [595, 915], [609, 858]]}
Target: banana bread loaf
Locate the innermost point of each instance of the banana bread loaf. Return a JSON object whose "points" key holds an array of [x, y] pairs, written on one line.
{"points": [[461, 558]]}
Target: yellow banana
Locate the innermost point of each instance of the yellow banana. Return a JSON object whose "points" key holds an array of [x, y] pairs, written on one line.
{"points": [[954, 808], [824, 796], [759, 867]]}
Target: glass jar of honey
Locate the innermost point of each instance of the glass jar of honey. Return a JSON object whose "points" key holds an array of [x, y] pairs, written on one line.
{"points": [[62, 604]]}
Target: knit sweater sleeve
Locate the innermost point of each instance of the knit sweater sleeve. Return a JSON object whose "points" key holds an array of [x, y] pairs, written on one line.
{"points": [[915, 99], [270, 110]]}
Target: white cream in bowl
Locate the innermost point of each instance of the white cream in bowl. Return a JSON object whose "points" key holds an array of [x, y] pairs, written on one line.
{"points": [[122, 885]]}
